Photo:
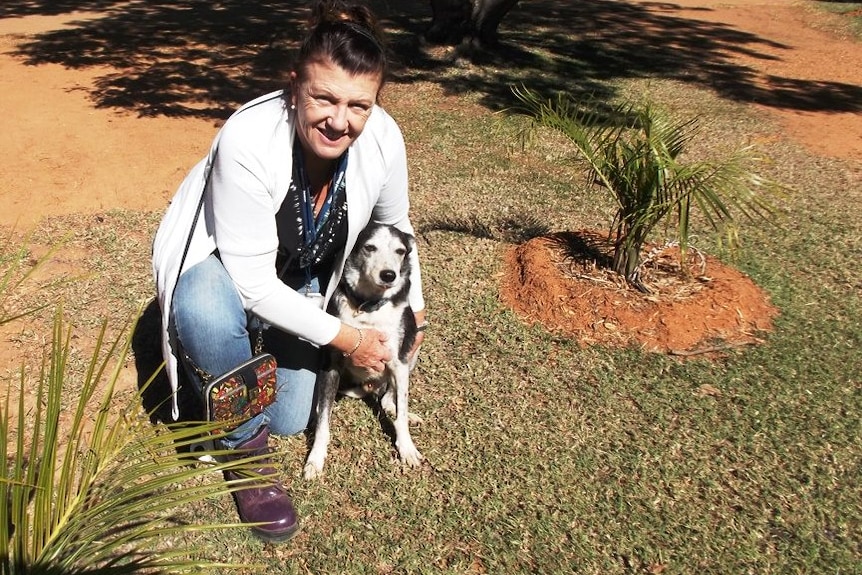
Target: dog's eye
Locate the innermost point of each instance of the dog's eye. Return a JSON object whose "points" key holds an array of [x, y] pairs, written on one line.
{"points": [[369, 248], [400, 251]]}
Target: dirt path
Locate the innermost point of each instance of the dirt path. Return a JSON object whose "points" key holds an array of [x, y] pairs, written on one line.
{"points": [[799, 45], [62, 155]]}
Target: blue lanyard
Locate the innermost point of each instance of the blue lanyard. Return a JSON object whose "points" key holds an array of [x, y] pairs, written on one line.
{"points": [[311, 226]]}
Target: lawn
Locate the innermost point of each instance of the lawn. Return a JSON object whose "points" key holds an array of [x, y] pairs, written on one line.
{"points": [[545, 456]]}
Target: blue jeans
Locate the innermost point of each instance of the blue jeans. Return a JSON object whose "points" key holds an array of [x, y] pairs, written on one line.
{"points": [[217, 333]]}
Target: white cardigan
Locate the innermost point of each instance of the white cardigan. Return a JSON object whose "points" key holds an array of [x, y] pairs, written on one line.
{"points": [[250, 176]]}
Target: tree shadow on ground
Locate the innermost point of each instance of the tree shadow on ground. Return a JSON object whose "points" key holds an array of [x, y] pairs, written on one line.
{"points": [[514, 229], [197, 58]]}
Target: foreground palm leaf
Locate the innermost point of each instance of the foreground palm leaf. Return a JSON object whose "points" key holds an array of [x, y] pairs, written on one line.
{"points": [[100, 495], [634, 153]]}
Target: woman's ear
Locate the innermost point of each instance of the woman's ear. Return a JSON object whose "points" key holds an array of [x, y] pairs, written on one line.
{"points": [[291, 85]]}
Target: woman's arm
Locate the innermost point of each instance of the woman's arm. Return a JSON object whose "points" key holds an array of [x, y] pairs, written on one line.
{"points": [[247, 169]]}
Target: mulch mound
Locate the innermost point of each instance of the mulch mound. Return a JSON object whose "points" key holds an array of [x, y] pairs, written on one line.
{"points": [[562, 281]]}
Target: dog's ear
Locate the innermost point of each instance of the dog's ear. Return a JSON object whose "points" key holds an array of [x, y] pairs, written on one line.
{"points": [[366, 233], [408, 239]]}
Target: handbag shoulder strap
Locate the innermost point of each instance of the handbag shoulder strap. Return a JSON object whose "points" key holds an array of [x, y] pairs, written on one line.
{"points": [[209, 169]]}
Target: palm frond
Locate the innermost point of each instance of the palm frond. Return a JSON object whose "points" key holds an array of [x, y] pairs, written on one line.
{"points": [[635, 153], [100, 494]]}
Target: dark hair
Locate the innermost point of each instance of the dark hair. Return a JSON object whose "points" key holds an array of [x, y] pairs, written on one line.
{"points": [[346, 34]]}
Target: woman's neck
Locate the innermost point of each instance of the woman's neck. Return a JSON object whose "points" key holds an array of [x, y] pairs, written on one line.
{"points": [[319, 172]]}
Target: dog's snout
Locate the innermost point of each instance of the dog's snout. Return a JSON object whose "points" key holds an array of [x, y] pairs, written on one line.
{"points": [[388, 276]]}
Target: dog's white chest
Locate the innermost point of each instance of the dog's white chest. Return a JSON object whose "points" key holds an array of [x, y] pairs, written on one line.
{"points": [[386, 319]]}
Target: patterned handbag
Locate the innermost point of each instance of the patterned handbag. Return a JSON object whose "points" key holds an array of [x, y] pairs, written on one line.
{"points": [[243, 392]]}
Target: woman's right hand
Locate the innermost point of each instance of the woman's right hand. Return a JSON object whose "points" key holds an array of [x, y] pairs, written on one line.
{"points": [[368, 351], [372, 353]]}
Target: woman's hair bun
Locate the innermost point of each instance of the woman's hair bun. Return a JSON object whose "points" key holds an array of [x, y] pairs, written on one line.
{"points": [[345, 33], [335, 11]]}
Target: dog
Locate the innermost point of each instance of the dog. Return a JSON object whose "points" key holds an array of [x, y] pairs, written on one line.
{"points": [[372, 293]]}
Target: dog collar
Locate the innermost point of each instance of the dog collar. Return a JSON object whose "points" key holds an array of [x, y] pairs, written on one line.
{"points": [[370, 306], [367, 306]]}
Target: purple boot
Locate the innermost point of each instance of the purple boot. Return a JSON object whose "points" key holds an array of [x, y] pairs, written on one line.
{"points": [[266, 503]]}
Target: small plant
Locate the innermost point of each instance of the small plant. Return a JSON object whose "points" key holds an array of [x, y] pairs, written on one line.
{"points": [[14, 274], [635, 152], [100, 493]]}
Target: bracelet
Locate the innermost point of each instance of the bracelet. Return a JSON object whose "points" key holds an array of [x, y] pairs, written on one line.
{"points": [[422, 326], [355, 347]]}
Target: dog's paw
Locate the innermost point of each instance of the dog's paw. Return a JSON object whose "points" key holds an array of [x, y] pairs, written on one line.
{"points": [[312, 471], [413, 459], [410, 455], [412, 418], [313, 465]]}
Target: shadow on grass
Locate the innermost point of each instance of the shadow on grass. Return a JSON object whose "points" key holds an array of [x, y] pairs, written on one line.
{"points": [[515, 229], [585, 246], [201, 59], [146, 345]]}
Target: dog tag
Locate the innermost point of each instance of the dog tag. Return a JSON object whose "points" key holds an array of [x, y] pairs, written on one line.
{"points": [[317, 298]]}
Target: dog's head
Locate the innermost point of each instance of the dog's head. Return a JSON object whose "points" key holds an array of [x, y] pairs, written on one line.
{"points": [[379, 265]]}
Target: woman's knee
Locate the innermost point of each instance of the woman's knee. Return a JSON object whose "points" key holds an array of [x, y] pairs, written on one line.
{"points": [[210, 321], [206, 299]]}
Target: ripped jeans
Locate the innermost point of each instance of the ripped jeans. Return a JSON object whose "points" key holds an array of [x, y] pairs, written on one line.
{"points": [[217, 333]]}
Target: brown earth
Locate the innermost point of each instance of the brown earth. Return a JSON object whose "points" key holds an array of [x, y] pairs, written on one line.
{"points": [[55, 140], [706, 309]]}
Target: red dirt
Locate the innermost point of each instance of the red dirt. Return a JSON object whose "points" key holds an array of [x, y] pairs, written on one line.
{"points": [[717, 307]]}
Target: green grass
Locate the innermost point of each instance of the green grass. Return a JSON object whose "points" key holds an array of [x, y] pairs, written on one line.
{"points": [[850, 12], [545, 457]]}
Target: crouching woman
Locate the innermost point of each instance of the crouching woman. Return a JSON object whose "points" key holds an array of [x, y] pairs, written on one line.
{"points": [[257, 235]]}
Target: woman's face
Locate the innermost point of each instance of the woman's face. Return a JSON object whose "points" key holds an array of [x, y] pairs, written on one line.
{"points": [[331, 108]]}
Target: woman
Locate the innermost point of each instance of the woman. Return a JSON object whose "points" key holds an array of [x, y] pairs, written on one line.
{"points": [[290, 181]]}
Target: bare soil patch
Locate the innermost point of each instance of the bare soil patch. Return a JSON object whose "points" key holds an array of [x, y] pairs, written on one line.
{"points": [[560, 282]]}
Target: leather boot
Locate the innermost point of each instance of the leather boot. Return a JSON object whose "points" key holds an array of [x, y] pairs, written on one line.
{"points": [[266, 503]]}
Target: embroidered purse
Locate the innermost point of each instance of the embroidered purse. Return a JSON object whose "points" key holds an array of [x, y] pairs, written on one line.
{"points": [[243, 392]]}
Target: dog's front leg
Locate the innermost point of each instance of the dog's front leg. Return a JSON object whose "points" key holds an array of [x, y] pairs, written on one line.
{"points": [[387, 402], [406, 448], [328, 389]]}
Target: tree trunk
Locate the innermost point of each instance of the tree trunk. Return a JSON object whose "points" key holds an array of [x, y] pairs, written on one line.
{"points": [[487, 15], [627, 258], [450, 20], [473, 22]]}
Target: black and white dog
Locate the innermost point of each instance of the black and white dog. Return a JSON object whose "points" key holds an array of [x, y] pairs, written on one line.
{"points": [[372, 294]]}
